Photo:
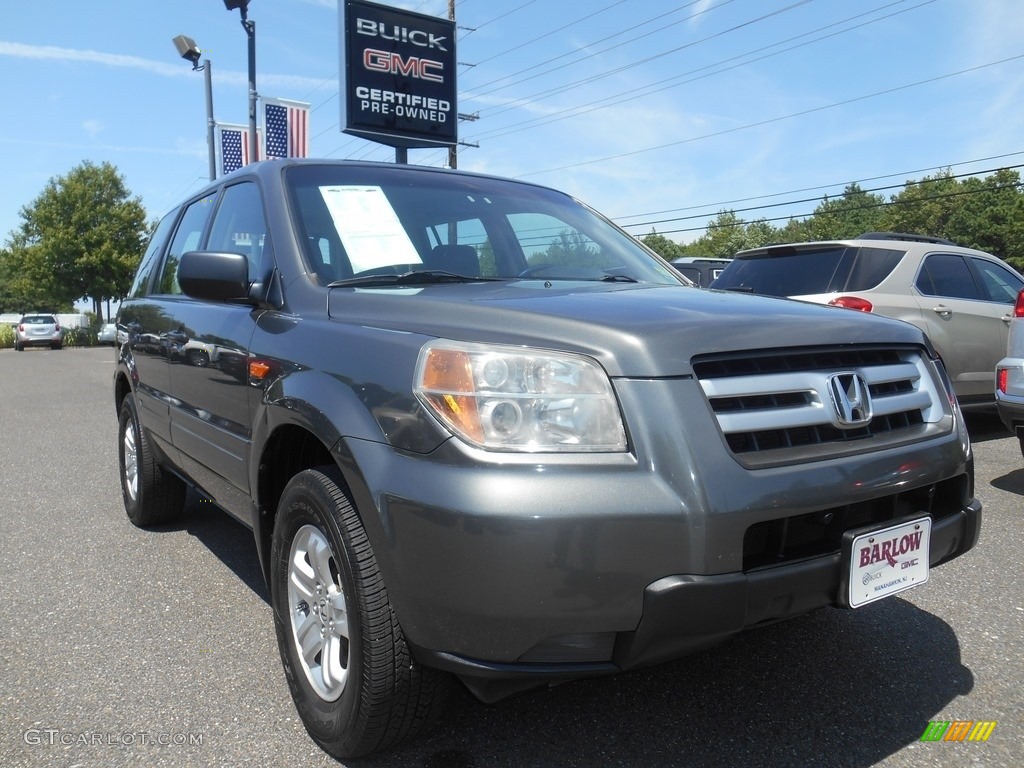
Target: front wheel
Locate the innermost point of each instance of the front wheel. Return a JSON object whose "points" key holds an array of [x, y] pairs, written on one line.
{"points": [[353, 679], [151, 494]]}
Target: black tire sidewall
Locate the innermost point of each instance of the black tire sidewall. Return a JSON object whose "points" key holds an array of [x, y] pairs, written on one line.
{"points": [[306, 502], [129, 419]]}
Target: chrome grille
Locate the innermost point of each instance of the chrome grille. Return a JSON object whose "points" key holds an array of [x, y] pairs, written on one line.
{"points": [[776, 408]]}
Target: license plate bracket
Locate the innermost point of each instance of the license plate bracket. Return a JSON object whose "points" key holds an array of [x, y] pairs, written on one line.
{"points": [[880, 561]]}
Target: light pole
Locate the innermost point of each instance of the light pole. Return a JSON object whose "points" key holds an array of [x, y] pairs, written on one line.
{"points": [[187, 50], [250, 30]]}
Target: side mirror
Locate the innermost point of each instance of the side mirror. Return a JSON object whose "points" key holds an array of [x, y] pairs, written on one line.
{"points": [[214, 276]]}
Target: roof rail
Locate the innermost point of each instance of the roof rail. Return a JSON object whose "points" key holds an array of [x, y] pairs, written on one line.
{"points": [[905, 236]]}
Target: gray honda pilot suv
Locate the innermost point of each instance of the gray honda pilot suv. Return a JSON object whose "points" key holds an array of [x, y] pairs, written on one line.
{"points": [[480, 433]]}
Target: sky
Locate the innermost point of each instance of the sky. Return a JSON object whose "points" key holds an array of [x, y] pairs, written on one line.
{"points": [[659, 113]]}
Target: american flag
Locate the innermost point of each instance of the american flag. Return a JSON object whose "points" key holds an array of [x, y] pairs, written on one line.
{"points": [[286, 126], [233, 143]]}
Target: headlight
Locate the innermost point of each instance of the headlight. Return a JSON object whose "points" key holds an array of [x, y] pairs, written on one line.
{"points": [[519, 399]]}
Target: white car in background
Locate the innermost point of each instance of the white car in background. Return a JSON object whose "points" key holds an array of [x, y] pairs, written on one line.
{"points": [[107, 334], [1010, 376]]}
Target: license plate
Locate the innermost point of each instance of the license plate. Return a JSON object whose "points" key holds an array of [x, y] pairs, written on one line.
{"points": [[880, 562]]}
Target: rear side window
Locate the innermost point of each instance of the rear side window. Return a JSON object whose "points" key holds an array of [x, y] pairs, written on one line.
{"points": [[870, 267], [1001, 284], [946, 274]]}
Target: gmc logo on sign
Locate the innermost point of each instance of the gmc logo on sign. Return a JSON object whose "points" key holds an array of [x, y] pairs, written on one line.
{"points": [[396, 64]]}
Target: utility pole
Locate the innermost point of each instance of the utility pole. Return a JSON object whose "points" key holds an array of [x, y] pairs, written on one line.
{"points": [[453, 158]]}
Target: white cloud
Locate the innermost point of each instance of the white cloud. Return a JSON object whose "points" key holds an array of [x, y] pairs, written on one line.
{"points": [[92, 127]]}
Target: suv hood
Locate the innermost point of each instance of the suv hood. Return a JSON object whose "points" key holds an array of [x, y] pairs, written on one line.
{"points": [[633, 330]]}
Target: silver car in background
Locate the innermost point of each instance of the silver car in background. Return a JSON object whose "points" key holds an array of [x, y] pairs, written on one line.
{"points": [[1010, 375], [961, 298], [38, 331]]}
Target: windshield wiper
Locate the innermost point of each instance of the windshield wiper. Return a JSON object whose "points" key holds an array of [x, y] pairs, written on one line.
{"points": [[416, 277], [619, 279]]}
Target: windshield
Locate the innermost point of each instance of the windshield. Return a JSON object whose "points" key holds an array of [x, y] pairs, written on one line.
{"points": [[38, 320], [359, 222]]}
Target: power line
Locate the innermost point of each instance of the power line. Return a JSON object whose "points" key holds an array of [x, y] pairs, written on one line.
{"points": [[815, 199], [771, 120], [962, 193], [677, 80], [603, 50], [586, 17], [843, 184]]}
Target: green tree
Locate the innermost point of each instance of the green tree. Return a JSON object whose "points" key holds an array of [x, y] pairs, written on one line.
{"points": [[990, 215], [82, 236], [924, 207], [845, 217], [661, 245], [569, 248], [728, 233]]}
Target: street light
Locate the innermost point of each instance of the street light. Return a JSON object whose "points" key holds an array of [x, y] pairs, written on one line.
{"points": [[187, 50], [250, 31]]}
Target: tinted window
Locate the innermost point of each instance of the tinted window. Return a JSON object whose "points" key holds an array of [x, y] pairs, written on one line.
{"points": [[945, 274], [808, 271], [239, 226], [187, 238], [140, 286], [795, 273], [691, 272], [870, 267], [1000, 283]]}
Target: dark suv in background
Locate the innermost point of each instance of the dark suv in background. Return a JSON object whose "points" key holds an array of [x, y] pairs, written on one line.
{"points": [[961, 298], [480, 433], [700, 270]]}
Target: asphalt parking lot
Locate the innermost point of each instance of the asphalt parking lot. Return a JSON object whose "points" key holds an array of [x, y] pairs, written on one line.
{"points": [[123, 647]]}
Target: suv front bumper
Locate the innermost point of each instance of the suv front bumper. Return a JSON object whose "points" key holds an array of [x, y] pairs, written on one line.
{"points": [[686, 613], [518, 574]]}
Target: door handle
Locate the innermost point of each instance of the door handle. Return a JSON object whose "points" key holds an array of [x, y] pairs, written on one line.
{"points": [[1006, 318], [942, 311]]}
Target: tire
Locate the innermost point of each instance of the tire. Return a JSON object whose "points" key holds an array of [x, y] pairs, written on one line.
{"points": [[19, 347], [198, 358], [357, 688], [151, 494]]}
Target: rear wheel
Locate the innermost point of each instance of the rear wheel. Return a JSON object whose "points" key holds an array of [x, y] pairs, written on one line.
{"points": [[19, 347], [151, 494], [352, 677]]}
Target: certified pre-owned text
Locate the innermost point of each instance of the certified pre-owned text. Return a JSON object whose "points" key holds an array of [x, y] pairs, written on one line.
{"points": [[403, 104]]}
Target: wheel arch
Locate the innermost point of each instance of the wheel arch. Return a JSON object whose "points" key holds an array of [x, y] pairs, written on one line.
{"points": [[293, 436]]}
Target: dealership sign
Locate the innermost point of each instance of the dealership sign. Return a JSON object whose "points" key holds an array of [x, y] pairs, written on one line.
{"points": [[398, 76]]}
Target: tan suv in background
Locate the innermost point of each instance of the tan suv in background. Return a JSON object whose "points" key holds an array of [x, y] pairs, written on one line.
{"points": [[961, 298]]}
